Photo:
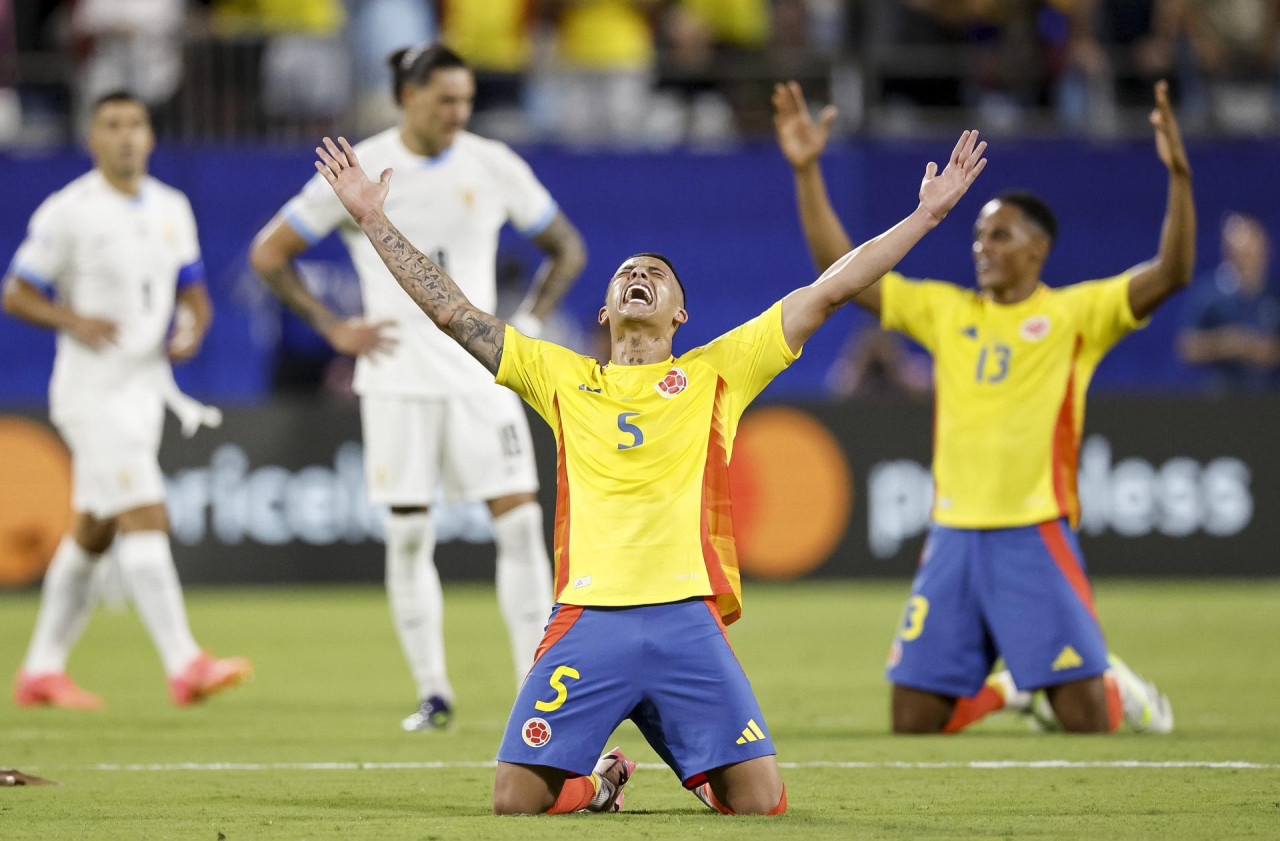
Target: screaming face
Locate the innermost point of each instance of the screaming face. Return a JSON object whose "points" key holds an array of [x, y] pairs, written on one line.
{"points": [[644, 291]]}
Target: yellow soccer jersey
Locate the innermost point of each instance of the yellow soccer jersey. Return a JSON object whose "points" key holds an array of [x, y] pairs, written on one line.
{"points": [[643, 514], [1010, 385]]}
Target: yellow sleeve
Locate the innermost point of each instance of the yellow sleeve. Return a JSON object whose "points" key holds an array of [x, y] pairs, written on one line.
{"points": [[1105, 315], [911, 306], [531, 368], [748, 357]]}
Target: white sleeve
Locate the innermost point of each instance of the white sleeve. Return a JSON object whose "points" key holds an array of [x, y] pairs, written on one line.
{"points": [[529, 206], [316, 211], [44, 254]]}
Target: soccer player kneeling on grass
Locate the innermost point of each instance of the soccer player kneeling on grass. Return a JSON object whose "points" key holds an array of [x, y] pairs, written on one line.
{"points": [[1001, 571], [646, 569]]}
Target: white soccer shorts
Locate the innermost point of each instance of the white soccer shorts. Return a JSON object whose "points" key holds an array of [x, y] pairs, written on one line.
{"points": [[477, 446], [114, 462]]}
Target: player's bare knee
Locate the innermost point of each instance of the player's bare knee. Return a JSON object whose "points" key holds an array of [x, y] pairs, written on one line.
{"points": [[915, 712], [501, 505], [92, 534], [522, 790]]}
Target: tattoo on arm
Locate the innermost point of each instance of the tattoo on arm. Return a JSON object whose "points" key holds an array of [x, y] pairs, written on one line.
{"points": [[480, 333], [287, 285]]}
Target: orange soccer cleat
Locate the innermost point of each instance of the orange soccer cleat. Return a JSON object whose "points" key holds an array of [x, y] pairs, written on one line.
{"points": [[52, 689], [205, 675]]}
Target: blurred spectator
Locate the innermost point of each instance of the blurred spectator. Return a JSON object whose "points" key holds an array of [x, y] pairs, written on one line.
{"points": [[10, 111], [875, 364], [133, 45], [1117, 49], [496, 38], [378, 28], [606, 52], [1235, 45], [718, 59], [305, 76], [1232, 323]]}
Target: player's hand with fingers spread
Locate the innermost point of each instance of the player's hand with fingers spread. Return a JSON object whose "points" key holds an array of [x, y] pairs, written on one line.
{"points": [[94, 333], [1169, 144], [357, 337], [939, 191], [801, 139], [361, 196]]}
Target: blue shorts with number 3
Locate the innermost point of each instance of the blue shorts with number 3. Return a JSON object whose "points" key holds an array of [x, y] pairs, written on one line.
{"points": [[1020, 593], [667, 667]]}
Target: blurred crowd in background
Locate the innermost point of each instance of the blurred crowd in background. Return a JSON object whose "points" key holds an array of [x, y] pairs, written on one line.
{"points": [[615, 75], [644, 73]]}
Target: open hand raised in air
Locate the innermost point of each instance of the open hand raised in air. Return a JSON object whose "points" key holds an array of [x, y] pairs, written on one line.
{"points": [[360, 195], [1168, 137], [939, 191], [801, 139]]}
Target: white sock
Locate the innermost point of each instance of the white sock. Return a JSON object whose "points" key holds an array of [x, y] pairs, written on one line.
{"points": [[417, 604], [152, 580], [524, 581], [64, 608]]}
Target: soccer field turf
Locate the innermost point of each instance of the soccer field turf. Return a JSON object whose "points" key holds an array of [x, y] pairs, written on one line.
{"points": [[331, 689]]}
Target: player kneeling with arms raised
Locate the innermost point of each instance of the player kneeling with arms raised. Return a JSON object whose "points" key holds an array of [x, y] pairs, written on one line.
{"points": [[646, 573]]}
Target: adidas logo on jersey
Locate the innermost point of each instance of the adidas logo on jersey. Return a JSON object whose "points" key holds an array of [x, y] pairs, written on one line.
{"points": [[585, 387], [1068, 658], [750, 733]]}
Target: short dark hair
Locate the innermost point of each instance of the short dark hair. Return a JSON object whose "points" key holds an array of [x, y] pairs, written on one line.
{"points": [[664, 258], [120, 96], [414, 65], [1035, 209]]}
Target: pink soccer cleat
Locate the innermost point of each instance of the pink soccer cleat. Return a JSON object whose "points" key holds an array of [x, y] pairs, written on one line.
{"points": [[205, 675], [52, 689], [614, 769]]}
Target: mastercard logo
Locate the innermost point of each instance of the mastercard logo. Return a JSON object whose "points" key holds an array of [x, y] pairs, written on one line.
{"points": [[35, 499], [792, 493]]}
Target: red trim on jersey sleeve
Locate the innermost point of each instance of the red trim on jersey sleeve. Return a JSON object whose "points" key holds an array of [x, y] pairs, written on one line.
{"points": [[1055, 539], [560, 551], [1066, 447], [558, 627], [719, 552]]}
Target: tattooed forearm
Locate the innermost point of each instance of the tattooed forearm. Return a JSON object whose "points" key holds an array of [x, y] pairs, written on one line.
{"points": [[286, 284], [480, 333]]}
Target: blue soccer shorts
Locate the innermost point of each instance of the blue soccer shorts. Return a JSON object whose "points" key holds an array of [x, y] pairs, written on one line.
{"points": [[667, 667], [1018, 593]]}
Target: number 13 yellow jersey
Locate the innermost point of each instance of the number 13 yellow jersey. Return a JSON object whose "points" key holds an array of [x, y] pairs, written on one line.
{"points": [[1010, 382], [643, 514]]}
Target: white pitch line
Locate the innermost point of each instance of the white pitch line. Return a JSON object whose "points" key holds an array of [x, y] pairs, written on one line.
{"points": [[997, 765]]}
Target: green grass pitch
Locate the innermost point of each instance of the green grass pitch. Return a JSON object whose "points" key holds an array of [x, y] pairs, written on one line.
{"points": [[331, 688]]}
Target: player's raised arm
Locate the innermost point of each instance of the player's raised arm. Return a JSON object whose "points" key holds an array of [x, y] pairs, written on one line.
{"points": [[1170, 270], [806, 309], [479, 332]]}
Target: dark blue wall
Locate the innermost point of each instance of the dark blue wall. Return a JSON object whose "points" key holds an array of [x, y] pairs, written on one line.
{"points": [[728, 221]]}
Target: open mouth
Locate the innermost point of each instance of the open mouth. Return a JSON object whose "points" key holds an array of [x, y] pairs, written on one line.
{"points": [[637, 292]]}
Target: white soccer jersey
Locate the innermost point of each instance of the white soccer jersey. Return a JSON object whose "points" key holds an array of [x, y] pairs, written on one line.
{"points": [[451, 207], [119, 257]]}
